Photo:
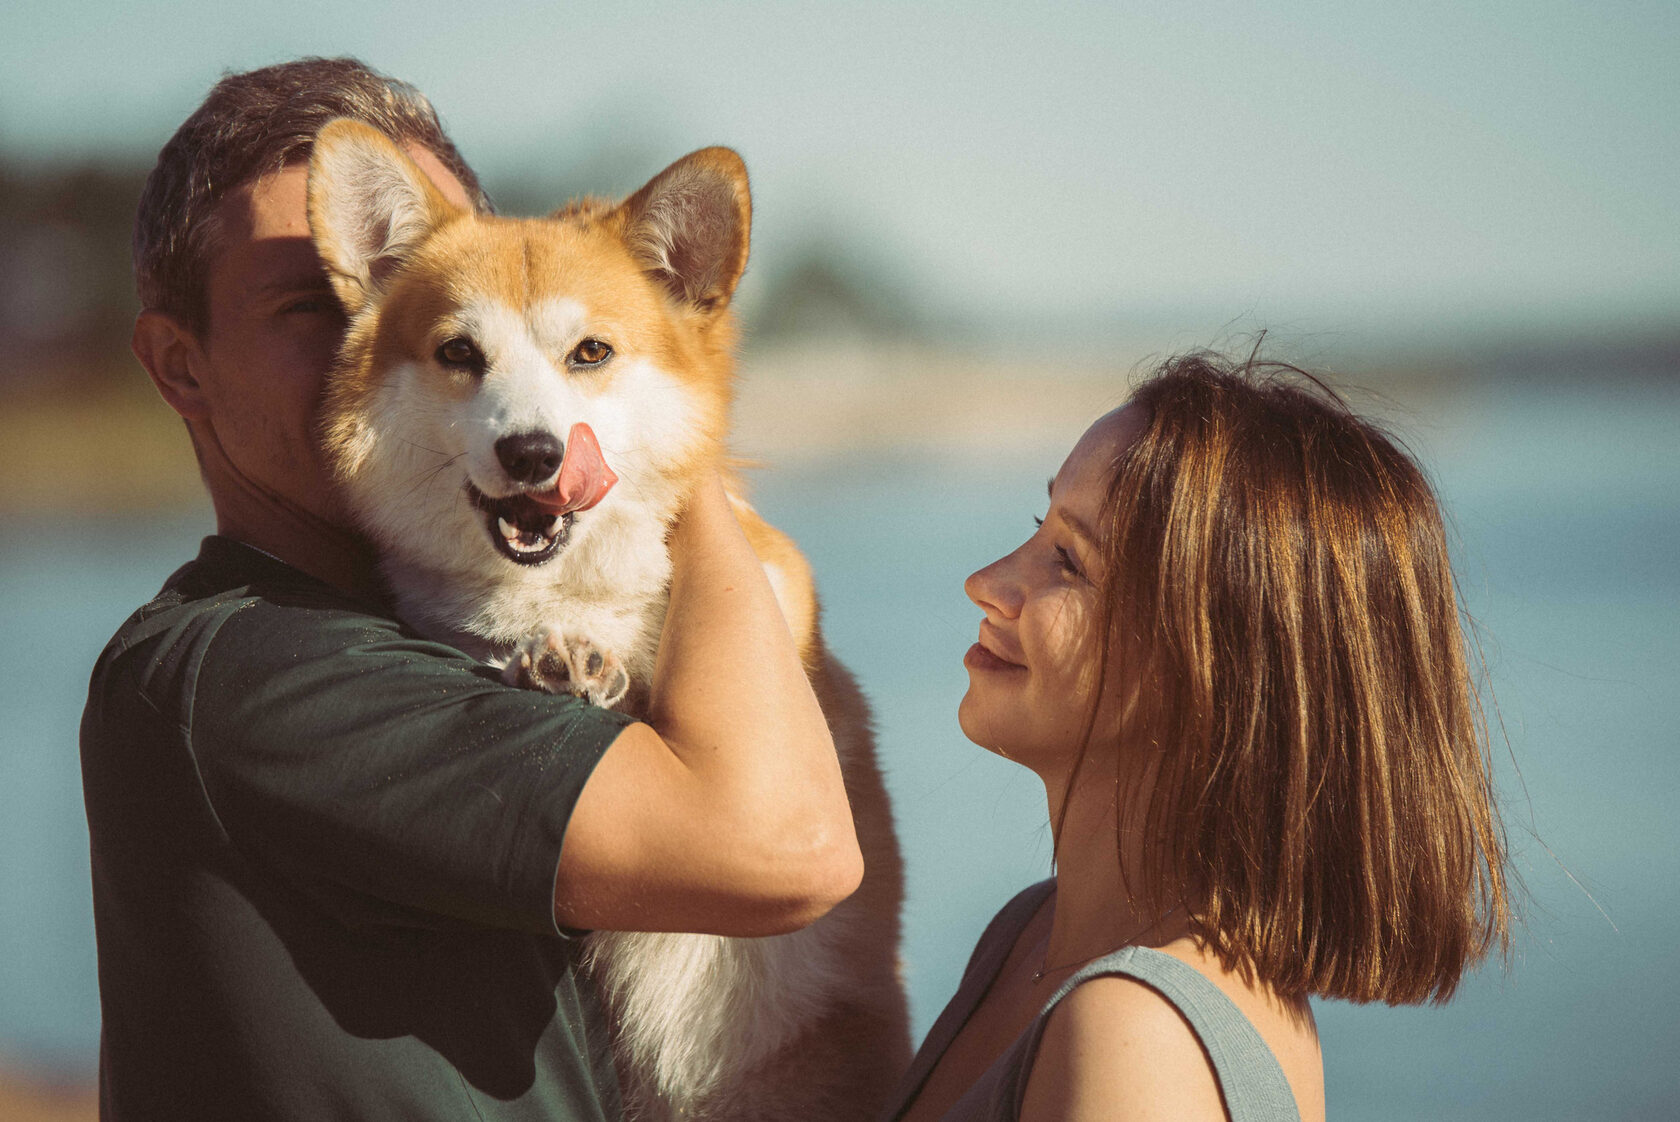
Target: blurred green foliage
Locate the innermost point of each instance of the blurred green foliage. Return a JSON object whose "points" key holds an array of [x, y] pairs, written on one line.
{"points": [[67, 299]]}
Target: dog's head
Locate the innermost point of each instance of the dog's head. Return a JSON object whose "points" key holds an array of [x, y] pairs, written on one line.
{"points": [[509, 388]]}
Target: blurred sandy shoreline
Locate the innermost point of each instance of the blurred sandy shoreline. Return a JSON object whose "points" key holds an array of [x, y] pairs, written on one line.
{"points": [[119, 450], [27, 1098], [800, 406]]}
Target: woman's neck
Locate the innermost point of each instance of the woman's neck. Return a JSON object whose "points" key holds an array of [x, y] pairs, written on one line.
{"points": [[1097, 909]]}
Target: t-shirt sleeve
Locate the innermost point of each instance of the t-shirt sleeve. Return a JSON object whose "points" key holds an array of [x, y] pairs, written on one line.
{"points": [[394, 778]]}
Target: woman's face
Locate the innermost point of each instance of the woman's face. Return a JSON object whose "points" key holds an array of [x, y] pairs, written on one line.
{"points": [[1030, 676]]}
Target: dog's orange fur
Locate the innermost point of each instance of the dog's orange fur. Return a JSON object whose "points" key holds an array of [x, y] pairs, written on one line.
{"points": [[671, 313]]}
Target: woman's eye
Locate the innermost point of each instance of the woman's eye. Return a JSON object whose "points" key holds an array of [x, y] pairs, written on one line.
{"points": [[460, 352], [590, 352], [1064, 559]]}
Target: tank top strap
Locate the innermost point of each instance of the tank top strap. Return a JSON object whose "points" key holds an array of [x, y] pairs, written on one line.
{"points": [[984, 964], [1250, 1077]]}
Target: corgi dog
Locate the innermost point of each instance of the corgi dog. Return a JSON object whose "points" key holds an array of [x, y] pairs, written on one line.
{"points": [[519, 409]]}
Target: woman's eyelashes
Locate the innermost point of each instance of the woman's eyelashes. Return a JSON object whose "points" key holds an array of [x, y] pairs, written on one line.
{"points": [[1064, 559]]}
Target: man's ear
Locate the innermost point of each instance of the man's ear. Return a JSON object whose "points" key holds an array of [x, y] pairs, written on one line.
{"points": [[691, 224], [169, 352], [370, 207]]}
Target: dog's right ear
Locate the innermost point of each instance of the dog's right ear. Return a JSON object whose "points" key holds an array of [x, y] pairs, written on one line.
{"points": [[370, 207], [690, 226]]}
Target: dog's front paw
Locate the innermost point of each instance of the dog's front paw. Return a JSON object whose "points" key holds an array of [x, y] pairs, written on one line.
{"points": [[558, 662]]}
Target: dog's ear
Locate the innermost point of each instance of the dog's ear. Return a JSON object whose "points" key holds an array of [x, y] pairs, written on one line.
{"points": [[691, 224], [370, 206]]}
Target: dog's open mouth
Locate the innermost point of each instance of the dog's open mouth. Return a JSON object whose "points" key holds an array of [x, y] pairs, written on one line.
{"points": [[529, 527], [526, 532]]}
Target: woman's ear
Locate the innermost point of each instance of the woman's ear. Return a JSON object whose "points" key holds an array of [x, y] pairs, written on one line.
{"points": [[170, 353]]}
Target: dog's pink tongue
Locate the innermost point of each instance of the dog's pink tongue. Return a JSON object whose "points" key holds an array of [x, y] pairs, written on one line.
{"points": [[585, 477]]}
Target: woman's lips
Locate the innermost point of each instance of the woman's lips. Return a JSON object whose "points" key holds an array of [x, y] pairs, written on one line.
{"points": [[979, 658]]}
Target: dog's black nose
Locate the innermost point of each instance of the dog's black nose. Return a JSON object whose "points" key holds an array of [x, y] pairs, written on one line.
{"points": [[530, 457]]}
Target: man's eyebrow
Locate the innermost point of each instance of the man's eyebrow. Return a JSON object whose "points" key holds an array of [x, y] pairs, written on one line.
{"points": [[1079, 528], [295, 282]]}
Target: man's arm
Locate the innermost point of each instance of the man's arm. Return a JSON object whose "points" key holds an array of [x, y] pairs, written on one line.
{"points": [[724, 813]]}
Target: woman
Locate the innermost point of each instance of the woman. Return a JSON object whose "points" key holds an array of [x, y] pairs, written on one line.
{"points": [[1231, 651]]}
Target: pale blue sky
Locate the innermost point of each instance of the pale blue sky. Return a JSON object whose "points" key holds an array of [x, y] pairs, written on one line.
{"points": [[1325, 166]]}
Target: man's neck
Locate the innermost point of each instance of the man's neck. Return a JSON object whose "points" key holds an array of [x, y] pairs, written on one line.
{"points": [[308, 537], [328, 553]]}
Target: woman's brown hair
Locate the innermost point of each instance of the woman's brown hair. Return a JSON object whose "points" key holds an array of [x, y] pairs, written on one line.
{"points": [[1276, 576]]}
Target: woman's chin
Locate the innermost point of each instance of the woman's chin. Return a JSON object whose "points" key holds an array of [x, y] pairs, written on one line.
{"points": [[981, 728], [968, 719], [1047, 748]]}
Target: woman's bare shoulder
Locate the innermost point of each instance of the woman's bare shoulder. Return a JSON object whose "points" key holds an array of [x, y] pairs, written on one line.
{"points": [[1116, 1049], [1284, 1023]]}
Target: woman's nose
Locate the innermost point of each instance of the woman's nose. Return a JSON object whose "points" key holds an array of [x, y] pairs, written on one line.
{"points": [[992, 591]]}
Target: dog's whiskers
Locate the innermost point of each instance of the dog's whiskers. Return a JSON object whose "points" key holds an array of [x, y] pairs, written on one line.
{"points": [[448, 459], [431, 476], [620, 454]]}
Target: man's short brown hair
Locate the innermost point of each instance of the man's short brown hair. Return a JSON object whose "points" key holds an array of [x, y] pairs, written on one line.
{"points": [[253, 124]]}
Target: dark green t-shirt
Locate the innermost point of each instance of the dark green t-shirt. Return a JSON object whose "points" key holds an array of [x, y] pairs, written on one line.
{"points": [[323, 865]]}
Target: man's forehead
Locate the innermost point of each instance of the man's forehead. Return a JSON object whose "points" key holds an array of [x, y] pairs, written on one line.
{"points": [[442, 178], [276, 203], [273, 205], [261, 227]]}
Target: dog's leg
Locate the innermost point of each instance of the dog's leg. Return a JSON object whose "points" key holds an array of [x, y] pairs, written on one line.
{"points": [[559, 662]]}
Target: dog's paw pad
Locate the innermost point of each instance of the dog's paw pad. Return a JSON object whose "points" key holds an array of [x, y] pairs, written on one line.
{"points": [[540, 663], [555, 662], [603, 678]]}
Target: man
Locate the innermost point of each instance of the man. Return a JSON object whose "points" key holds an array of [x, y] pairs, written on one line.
{"points": [[338, 869]]}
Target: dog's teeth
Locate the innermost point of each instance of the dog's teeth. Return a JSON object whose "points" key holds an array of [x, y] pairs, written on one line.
{"points": [[509, 530], [554, 526]]}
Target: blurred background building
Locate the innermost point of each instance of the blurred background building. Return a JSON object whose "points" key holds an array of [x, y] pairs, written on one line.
{"points": [[972, 224]]}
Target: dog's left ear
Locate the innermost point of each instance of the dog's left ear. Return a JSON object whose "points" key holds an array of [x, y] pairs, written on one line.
{"points": [[691, 224], [370, 207]]}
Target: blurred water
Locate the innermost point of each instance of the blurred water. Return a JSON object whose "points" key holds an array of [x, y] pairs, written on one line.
{"points": [[1567, 504], [65, 586]]}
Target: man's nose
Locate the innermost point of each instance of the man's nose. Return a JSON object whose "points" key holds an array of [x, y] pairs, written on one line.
{"points": [[530, 457]]}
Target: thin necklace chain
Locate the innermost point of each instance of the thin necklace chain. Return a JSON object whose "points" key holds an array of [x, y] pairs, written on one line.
{"points": [[1044, 971]]}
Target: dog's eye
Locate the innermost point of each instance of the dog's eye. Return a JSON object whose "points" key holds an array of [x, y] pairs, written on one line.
{"points": [[460, 352], [590, 352]]}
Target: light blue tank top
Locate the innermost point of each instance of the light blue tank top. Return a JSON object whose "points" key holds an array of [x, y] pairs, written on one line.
{"points": [[1250, 1078]]}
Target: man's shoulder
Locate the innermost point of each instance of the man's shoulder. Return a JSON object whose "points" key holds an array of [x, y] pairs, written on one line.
{"points": [[228, 571], [237, 606], [231, 584]]}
